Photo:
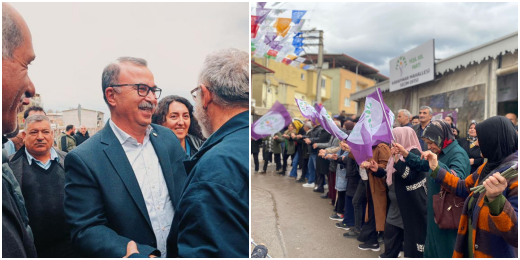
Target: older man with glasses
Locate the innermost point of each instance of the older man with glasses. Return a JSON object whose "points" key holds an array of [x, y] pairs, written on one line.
{"points": [[213, 214], [123, 183]]}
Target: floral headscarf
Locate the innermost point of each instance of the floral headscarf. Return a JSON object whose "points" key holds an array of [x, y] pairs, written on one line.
{"points": [[439, 132]]}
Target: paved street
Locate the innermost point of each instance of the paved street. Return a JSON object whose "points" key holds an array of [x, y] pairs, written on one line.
{"points": [[294, 222]]}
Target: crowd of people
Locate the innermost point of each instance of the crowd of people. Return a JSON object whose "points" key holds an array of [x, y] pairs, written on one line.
{"points": [[395, 197], [158, 180]]}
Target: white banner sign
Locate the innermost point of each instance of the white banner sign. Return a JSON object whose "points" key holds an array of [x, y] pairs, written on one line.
{"points": [[413, 67]]}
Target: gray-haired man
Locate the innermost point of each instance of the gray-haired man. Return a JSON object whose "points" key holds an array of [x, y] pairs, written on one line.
{"points": [[425, 117], [17, 88], [212, 219], [404, 117]]}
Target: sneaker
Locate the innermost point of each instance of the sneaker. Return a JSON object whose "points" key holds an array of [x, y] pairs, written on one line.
{"points": [[352, 233], [337, 217], [342, 226], [261, 171], [309, 185], [399, 255], [326, 186], [373, 247], [380, 237]]}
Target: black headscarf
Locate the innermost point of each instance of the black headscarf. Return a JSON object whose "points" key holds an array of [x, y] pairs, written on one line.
{"points": [[439, 132], [497, 139]]}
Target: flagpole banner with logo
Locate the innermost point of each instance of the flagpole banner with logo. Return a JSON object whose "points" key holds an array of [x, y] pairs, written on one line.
{"points": [[307, 110], [328, 124], [272, 122], [373, 127]]}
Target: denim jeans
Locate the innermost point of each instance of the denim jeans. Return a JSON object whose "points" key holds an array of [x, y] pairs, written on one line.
{"points": [[295, 165], [312, 167]]}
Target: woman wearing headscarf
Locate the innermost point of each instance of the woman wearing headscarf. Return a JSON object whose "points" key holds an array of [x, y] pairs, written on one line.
{"points": [[289, 149], [440, 140], [406, 217], [489, 223], [298, 148], [470, 145]]}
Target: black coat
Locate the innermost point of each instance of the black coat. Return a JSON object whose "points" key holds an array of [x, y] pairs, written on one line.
{"points": [[255, 145], [80, 138], [473, 153], [410, 190], [353, 177]]}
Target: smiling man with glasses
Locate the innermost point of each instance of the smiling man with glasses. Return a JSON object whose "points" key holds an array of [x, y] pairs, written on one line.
{"points": [[124, 182]]}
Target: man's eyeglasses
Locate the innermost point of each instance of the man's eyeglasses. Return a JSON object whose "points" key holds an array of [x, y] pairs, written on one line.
{"points": [[143, 89]]}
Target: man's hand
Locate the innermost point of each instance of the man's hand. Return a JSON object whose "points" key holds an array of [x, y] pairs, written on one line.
{"points": [[131, 248], [299, 136], [328, 156], [432, 159], [314, 146], [307, 141], [334, 157], [495, 185]]}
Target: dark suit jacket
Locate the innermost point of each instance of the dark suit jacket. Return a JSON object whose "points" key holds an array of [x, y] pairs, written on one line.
{"points": [[104, 205], [213, 213], [417, 129]]}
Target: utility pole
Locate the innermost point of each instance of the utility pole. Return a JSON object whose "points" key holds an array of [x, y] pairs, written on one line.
{"points": [[320, 57]]}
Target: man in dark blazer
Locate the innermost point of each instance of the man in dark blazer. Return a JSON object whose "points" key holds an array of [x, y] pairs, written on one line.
{"points": [[124, 182], [213, 212]]}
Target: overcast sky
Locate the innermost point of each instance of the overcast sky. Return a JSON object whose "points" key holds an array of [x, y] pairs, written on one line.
{"points": [[375, 33], [73, 42]]}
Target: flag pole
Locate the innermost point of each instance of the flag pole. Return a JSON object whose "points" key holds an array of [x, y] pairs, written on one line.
{"points": [[383, 108]]}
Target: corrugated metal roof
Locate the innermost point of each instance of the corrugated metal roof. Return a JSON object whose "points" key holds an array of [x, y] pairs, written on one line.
{"points": [[478, 54]]}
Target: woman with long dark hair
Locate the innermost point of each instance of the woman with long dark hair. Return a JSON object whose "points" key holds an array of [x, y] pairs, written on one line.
{"points": [[176, 113]]}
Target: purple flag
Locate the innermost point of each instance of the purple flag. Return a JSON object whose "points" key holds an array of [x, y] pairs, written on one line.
{"points": [[261, 4], [273, 121], [373, 127], [307, 111], [328, 124], [269, 37], [262, 13], [297, 16]]}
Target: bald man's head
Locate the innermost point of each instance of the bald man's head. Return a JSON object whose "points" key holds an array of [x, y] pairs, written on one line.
{"points": [[512, 117]]}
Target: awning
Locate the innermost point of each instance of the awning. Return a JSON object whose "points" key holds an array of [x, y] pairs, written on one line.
{"points": [[384, 86], [259, 69]]}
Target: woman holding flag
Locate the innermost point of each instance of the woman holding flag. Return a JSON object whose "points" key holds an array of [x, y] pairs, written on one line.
{"points": [[441, 141], [406, 218]]}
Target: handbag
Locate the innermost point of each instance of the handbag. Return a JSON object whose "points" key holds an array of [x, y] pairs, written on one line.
{"points": [[447, 209]]}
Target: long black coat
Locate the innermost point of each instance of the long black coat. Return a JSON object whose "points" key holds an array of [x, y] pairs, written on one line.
{"points": [[410, 190], [255, 145]]}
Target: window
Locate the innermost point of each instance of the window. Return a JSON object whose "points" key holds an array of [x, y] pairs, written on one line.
{"points": [[303, 76], [323, 81], [348, 84], [347, 102]]}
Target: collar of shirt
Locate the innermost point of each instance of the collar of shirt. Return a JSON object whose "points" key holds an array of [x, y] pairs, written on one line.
{"points": [[54, 156], [123, 137]]}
